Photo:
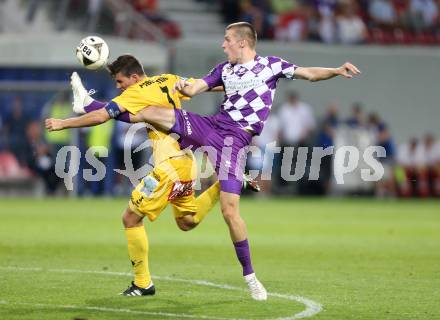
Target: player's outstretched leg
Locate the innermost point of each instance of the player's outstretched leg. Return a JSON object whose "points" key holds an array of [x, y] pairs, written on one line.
{"points": [[138, 251], [237, 229], [206, 201], [81, 97], [258, 292], [83, 103]]}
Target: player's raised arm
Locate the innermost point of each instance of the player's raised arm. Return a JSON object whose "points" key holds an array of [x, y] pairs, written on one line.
{"points": [[87, 120], [192, 88], [313, 74], [96, 117]]}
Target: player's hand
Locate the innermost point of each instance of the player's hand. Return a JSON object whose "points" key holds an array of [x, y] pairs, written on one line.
{"points": [[54, 124], [348, 70], [179, 85]]}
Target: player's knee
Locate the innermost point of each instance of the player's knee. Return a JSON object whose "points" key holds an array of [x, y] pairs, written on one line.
{"points": [[186, 223], [186, 227], [131, 219], [126, 221], [230, 212]]}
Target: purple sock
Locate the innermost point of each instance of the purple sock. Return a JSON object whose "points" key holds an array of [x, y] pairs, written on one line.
{"points": [[124, 117], [96, 105], [244, 256]]}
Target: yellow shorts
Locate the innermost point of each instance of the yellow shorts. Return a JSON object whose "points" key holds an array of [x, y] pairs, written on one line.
{"points": [[172, 181]]}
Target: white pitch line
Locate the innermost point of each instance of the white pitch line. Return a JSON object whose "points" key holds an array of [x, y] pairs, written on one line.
{"points": [[312, 307], [115, 310]]}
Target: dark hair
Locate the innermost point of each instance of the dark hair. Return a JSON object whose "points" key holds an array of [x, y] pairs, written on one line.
{"points": [[246, 31], [127, 65]]}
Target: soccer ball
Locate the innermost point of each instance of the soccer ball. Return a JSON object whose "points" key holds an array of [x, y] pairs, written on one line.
{"points": [[92, 52]]}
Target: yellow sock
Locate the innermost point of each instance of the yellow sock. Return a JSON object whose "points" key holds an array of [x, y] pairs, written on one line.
{"points": [[206, 201], [138, 252]]}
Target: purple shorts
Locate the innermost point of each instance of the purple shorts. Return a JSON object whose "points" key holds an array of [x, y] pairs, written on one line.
{"points": [[225, 145]]}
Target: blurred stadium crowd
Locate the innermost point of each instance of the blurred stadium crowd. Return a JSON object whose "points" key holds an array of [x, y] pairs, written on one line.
{"points": [[341, 21], [329, 21], [412, 169]]}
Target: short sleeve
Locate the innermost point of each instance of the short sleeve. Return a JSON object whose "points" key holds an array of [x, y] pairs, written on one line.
{"points": [[130, 100], [214, 78], [282, 68]]}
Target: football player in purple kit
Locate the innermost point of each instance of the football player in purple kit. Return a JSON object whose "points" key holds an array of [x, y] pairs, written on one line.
{"points": [[249, 81]]}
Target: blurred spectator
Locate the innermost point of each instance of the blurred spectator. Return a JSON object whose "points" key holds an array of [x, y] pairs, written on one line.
{"points": [[297, 123], [92, 16], [61, 108], [421, 167], [382, 137], [424, 15], [32, 10], [326, 7], [252, 14], [406, 174], [401, 8], [296, 120], [428, 175], [328, 125], [313, 22], [356, 119], [434, 168], [39, 157], [327, 29], [325, 140], [148, 8], [327, 23], [264, 163], [383, 14], [15, 126], [350, 27], [293, 25], [259, 14]]}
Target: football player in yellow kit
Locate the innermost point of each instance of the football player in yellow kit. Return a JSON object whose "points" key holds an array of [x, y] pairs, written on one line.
{"points": [[171, 180]]}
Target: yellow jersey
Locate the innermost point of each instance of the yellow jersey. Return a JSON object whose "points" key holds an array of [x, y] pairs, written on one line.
{"points": [[154, 91]]}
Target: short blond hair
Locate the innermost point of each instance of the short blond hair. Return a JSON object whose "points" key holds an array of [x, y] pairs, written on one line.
{"points": [[246, 31]]}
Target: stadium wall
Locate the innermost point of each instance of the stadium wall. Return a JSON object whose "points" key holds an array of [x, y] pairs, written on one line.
{"points": [[401, 84], [58, 50]]}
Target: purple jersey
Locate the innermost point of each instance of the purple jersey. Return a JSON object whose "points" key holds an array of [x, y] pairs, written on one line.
{"points": [[249, 90]]}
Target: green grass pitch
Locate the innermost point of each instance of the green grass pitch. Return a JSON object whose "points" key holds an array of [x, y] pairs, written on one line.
{"points": [[359, 259]]}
